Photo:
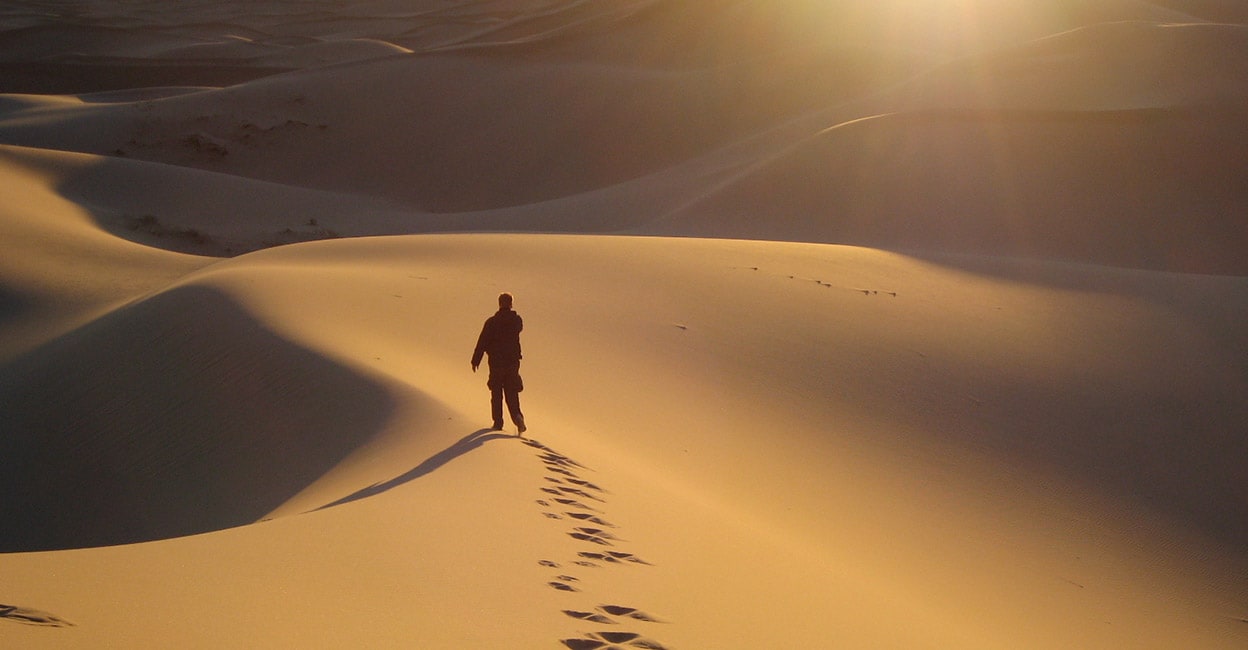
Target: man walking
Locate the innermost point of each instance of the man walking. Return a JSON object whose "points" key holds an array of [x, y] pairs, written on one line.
{"points": [[500, 339]]}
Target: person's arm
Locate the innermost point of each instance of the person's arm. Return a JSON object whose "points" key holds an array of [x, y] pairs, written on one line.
{"points": [[479, 351]]}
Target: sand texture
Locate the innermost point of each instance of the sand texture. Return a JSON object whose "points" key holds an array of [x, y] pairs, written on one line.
{"points": [[848, 324]]}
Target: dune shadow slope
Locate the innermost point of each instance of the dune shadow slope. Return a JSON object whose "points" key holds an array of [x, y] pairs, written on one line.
{"points": [[177, 415]]}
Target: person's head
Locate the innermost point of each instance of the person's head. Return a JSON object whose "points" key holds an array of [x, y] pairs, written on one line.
{"points": [[504, 301]]}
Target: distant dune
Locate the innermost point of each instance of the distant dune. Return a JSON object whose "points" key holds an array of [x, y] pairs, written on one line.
{"points": [[458, 133], [848, 324], [1145, 189]]}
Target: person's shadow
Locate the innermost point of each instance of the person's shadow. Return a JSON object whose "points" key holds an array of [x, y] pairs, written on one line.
{"points": [[463, 446]]}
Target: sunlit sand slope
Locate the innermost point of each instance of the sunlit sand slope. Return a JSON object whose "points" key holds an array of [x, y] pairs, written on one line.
{"points": [[770, 428], [58, 269]]}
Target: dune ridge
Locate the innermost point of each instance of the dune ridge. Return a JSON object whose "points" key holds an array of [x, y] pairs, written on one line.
{"points": [[1145, 98], [1002, 197], [848, 324]]}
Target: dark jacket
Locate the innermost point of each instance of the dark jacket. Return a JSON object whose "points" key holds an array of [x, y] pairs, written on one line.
{"points": [[500, 338]]}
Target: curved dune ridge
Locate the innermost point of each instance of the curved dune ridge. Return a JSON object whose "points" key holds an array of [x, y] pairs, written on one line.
{"points": [[848, 324], [462, 139]]}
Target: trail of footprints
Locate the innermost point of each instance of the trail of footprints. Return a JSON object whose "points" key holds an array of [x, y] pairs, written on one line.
{"points": [[568, 497]]}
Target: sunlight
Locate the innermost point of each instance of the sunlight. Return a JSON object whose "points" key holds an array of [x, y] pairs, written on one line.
{"points": [[941, 28]]}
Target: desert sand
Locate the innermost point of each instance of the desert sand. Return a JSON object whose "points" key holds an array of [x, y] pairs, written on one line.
{"points": [[890, 324]]}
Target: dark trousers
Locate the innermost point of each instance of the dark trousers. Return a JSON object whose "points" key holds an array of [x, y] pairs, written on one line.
{"points": [[505, 385]]}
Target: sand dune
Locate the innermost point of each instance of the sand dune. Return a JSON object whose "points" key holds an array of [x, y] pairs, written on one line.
{"points": [[1105, 67], [1135, 189], [937, 401], [947, 350], [231, 215], [459, 135], [447, 134], [716, 32], [58, 269]]}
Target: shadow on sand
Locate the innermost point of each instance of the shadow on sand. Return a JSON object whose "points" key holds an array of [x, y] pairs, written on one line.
{"points": [[177, 415], [461, 447]]}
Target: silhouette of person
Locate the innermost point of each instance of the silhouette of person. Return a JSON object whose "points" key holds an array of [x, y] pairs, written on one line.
{"points": [[500, 339]]}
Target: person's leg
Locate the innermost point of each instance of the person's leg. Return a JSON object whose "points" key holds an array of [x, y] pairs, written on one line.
{"points": [[496, 406], [513, 407]]}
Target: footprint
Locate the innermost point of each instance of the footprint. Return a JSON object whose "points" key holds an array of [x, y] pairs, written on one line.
{"points": [[585, 484], [572, 503], [583, 644], [589, 538], [585, 516], [552, 458], [549, 564], [561, 471], [629, 612], [643, 643], [32, 617], [628, 557], [562, 586], [597, 532], [560, 464], [614, 557], [596, 640], [580, 493], [589, 616], [551, 515]]}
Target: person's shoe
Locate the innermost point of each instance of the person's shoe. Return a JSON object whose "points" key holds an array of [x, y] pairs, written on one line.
{"points": [[521, 428], [498, 426]]}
